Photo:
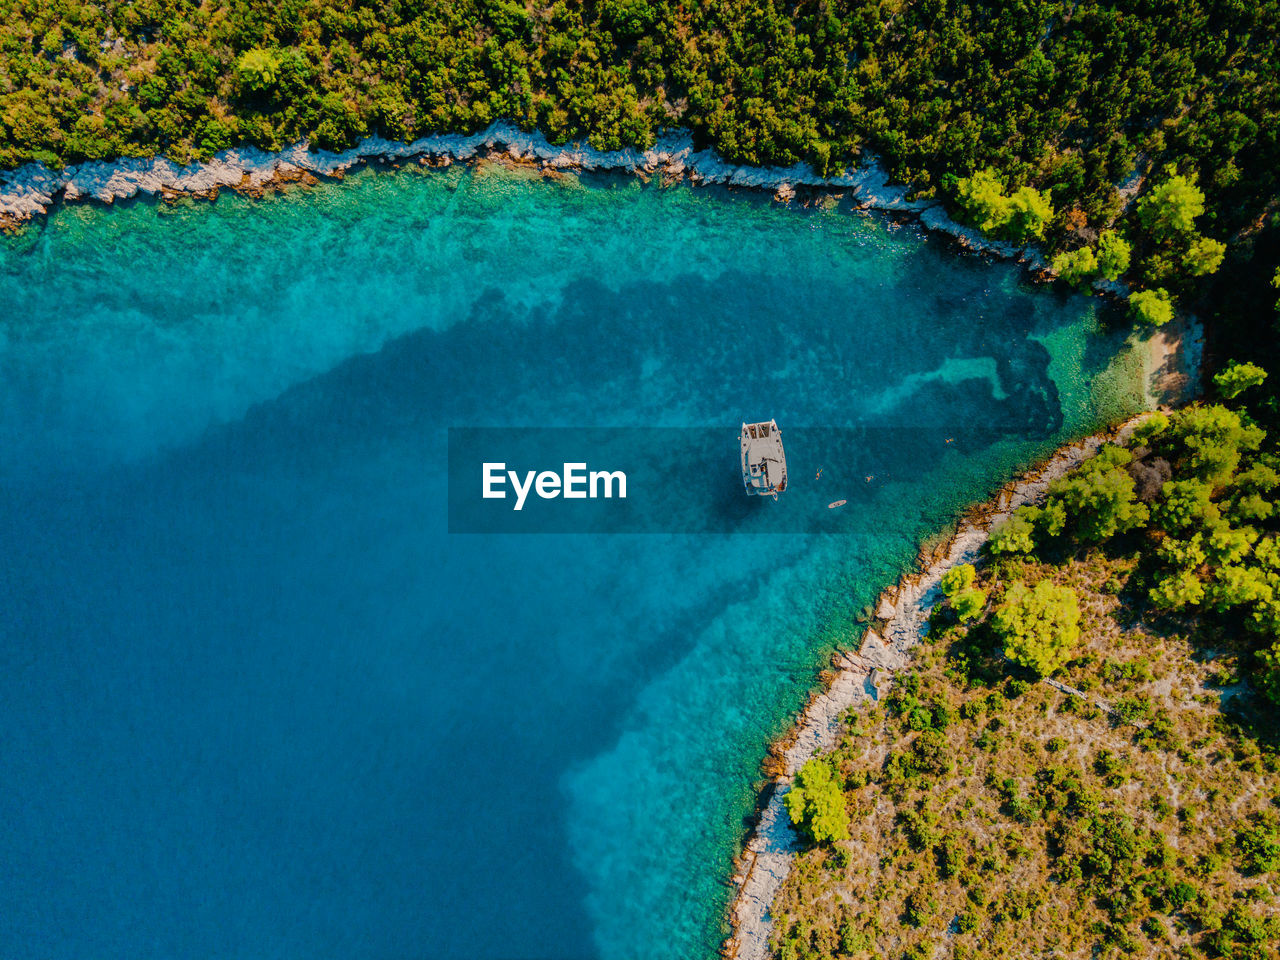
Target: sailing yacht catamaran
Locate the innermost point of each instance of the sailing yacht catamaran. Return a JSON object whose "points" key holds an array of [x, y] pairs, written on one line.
{"points": [[764, 464]]}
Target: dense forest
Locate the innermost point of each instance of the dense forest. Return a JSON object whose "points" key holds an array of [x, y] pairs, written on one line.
{"points": [[1040, 119]]}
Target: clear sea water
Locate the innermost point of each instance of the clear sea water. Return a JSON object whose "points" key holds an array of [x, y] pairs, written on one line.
{"points": [[257, 702]]}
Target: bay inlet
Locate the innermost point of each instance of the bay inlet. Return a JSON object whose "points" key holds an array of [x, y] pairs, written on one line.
{"points": [[258, 701]]}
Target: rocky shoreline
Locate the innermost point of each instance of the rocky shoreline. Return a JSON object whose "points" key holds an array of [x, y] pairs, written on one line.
{"points": [[32, 190], [900, 622]]}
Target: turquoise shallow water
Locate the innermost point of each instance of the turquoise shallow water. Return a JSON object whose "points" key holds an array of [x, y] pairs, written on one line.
{"points": [[256, 701]]}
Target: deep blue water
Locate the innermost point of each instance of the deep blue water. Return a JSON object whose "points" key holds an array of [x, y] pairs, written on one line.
{"points": [[256, 701]]}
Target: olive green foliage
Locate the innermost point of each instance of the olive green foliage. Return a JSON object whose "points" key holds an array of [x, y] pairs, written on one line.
{"points": [[1151, 428], [1208, 441], [1175, 254], [1203, 256], [1198, 487], [1028, 526], [816, 803], [1113, 255], [994, 817], [258, 70], [1178, 591], [1040, 625], [1099, 497], [1217, 549], [1085, 264], [1185, 505], [1235, 378], [966, 600], [1171, 209], [1014, 535], [1077, 267], [1153, 307], [1020, 217], [1259, 845]]}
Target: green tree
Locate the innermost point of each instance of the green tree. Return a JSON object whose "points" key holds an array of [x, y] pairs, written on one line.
{"points": [[957, 578], [258, 70], [1113, 255], [1235, 585], [1171, 208], [1040, 626], [1249, 490], [1208, 441], [1151, 306], [1269, 666], [1259, 844], [983, 200], [1236, 378], [1185, 554], [1203, 257], [1228, 544], [1020, 217], [1029, 212], [1186, 504], [1099, 496], [1015, 534], [966, 599], [1151, 428], [1177, 591], [1077, 267], [815, 802]]}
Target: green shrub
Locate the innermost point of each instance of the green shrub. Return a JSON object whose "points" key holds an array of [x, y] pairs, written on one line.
{"points": [[855, 942], [1236, 378], [1171, 208], [1203, 257], [1151, 428], [816, 804], [1113, 255], [1077, 267], [920, 908], [966, 600], [1208, 441], [969, 603], [1013, 535], [1259, 845], [1235, 586], [1186, 504], [1040, 626], [1020, 217], [258, 70], [1227, 544], [1099, 496], [1154, 307], [1177, 591], [957, 578]]}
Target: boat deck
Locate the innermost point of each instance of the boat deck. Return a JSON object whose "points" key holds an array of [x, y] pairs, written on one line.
{"points": [[764, 463]]}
